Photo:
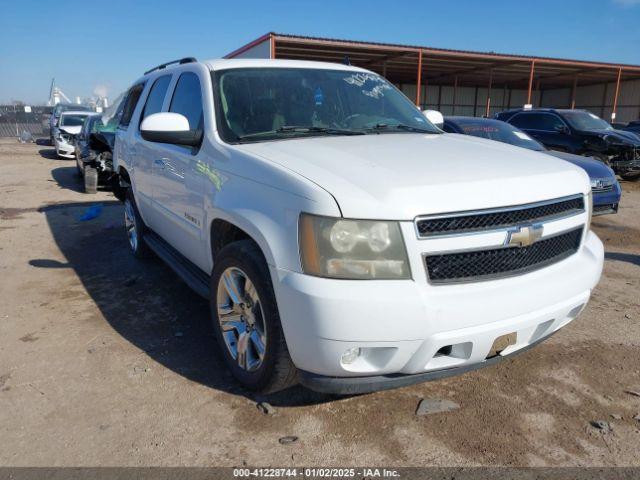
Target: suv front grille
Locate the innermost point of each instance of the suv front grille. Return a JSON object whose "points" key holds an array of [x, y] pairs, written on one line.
{"points": [[501, 262], [502, 218], [605, 189]]}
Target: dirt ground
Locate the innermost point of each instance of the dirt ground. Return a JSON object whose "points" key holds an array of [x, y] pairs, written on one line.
{"points": [[109, 361]]}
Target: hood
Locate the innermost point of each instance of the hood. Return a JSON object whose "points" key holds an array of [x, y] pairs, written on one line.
{"points": [[618, 136], [400, 176], [595, 168], [71, 130]]}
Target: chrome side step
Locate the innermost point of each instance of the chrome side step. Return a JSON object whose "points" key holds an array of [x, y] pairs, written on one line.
{"points": [[195, 278]]}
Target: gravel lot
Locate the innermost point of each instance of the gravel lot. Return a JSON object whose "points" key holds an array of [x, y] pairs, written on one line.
{"points": [[107, 360]]}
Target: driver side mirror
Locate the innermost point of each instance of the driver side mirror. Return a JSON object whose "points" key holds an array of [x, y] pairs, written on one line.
{"points": [[435, 117], [562, 129], [168, 127]]}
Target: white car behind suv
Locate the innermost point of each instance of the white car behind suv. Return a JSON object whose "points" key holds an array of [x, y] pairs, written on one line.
{"points": [[69, 125], [343, 240]]}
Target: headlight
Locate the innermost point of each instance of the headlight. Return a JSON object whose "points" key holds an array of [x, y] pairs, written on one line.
{"points": [[352, 249], [589, 209]]}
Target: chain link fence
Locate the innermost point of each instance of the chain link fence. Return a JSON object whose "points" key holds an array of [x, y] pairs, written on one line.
{"points": [[16, 119]]}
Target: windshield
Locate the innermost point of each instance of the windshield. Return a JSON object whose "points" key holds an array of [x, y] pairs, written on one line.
{"points": [[500, 132], [581, 120], [72, 120], [59, 108], [259, 104]]}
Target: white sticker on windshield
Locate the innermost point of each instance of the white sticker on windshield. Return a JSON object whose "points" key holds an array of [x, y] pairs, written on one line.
{"points": [[377, 91], [522, 135], [359, 79], [418, 119]]}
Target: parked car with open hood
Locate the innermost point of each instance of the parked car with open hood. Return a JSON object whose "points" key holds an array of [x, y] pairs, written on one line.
{"points": [[582, 133], [94, 153], [69, 125], [55, 117], [604, 185], [342, 240]]}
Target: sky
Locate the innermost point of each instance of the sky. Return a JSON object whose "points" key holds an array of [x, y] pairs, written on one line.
{"points": [[91, 46]]}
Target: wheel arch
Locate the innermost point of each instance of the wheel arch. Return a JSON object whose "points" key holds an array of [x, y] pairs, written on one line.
{"points": [[225, 229]]}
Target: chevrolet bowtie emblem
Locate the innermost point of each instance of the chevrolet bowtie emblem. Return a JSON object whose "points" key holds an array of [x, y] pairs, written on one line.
{"points": [[524, 235]]}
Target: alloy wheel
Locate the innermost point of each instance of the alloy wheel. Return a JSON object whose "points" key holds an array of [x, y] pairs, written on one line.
{"points": [[241, 319], [130, 225]]}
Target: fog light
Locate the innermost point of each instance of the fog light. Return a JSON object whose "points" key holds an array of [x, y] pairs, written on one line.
{"points": [[350, 355]]}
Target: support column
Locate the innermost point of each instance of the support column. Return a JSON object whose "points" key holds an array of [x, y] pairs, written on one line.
{"points": [[419, 80], [504, 96], [272, 46], [455, 92], [475, 102], [615, 98], [533, 67], [488, 109], [605, 90], [573, 92]]}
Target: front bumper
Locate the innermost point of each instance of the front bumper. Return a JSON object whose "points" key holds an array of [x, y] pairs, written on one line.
{"points": [[409, 328], [360, 385], [607, 202], [627, 166], [65, 150]]}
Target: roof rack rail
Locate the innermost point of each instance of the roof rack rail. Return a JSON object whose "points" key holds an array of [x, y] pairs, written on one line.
{"points": [[165, 65]]}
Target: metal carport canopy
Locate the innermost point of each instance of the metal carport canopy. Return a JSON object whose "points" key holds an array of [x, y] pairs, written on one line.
{"points": [[437, 66]]}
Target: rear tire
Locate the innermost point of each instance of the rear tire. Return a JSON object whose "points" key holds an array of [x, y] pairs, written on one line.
{"points": [[252, 343], [135, 227], [90, 179]]}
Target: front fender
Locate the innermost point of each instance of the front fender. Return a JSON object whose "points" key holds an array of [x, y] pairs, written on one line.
{"points": [[269, 215]]}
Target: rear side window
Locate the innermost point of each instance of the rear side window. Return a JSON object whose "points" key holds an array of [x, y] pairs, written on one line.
{"points": [[156, 96], [130, 104], [187, 99]]}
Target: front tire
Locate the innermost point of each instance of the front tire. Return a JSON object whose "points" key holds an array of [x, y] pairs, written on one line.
{"points": [[631, 177], [90, 179], [135, 227], [246, 321]]}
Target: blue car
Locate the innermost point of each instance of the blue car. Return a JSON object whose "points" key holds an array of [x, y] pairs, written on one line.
{"points": [[604, 185]]}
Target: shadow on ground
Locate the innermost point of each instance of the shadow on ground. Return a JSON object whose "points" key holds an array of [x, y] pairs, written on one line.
{"points": [[50, 154], [144, 301], [68, 178], [623, 257]]}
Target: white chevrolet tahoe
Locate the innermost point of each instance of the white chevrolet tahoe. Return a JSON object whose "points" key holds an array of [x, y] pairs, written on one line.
{"points": [[343, 240]]}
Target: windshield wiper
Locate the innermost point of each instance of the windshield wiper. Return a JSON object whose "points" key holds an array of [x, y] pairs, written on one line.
{"points": [[302, 130], [400, 126]]}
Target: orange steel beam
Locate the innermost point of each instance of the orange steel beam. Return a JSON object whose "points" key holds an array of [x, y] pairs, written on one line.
{"points": [[533, 67], [419, 79], [272, 46], [489, 93], [573, 92], [615, 98]]}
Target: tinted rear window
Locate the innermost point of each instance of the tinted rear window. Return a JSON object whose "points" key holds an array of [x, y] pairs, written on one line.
{"points": [[156, 96]]}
